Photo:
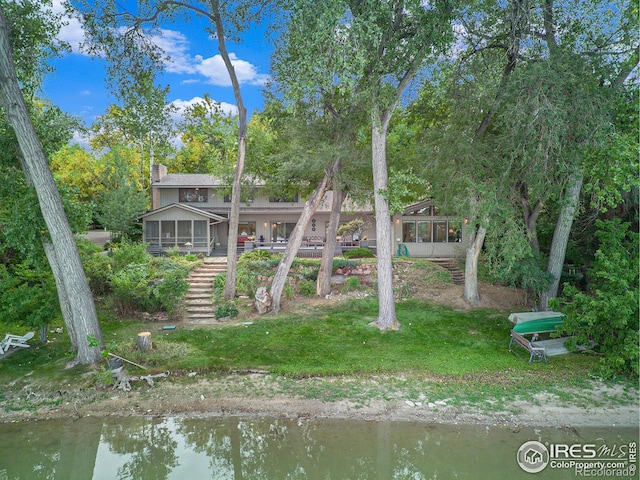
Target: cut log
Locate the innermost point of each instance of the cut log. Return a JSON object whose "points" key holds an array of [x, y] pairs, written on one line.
{"points": [[144, 341]]}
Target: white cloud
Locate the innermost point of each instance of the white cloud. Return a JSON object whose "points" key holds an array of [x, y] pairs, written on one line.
{"points": [[176, 46], [182, 105], [82, 140], [72, 31]]}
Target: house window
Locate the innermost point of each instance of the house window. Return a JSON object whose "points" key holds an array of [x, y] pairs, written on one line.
{"points": [[440, 231], [226, 198], [424, 231], [281, 231], [408, 232], [152, 232], [292, 198], [193, 195], [455, 234], [247, 229]]}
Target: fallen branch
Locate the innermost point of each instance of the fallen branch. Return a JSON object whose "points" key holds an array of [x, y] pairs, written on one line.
{"points": [[128, 361], [123, 381]]}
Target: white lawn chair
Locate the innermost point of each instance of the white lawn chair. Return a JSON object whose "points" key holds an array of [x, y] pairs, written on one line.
{"points": [[17, 341]]}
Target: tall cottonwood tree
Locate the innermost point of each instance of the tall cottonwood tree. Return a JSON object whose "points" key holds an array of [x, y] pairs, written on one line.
{"points": [[133, 51], [540, 112], [373, 49], [318, 153], [75, 295]]}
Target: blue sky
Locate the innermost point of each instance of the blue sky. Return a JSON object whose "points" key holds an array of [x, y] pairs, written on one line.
{"points": [[78, 84]]}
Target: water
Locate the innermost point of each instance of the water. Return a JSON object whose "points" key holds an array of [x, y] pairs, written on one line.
{"points": [[237, 448]]}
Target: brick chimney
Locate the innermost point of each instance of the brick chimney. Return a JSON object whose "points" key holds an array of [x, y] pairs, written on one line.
{"points": [[158, 172]]}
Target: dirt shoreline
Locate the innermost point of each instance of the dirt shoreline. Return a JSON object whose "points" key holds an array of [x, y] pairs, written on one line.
{"points": [[207, 397]]}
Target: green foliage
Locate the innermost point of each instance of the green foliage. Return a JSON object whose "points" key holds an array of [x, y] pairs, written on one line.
{"points": [[352, 283], [306, 288], [343, 263], [97, 268], [131, 279], [169, 285], [121, 203], [255, 255], [357, 226], [218, 284], [228, 309], [125, 253], [28, 295], [607, 314], [130, 289], [358, 253]]}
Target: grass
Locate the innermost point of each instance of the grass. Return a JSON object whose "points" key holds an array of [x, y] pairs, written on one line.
{"points": [[331, 353]]}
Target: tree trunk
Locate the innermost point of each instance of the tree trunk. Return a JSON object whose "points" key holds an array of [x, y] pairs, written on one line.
{"points": [[530, 217], [73, 279], [323, 286], [67, 312], [387, 308], [234, 215], [234, 218], [294, 242], [561, 236], [471, 295]]}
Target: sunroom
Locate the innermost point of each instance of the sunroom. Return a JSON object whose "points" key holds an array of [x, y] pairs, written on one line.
{"points": [[187, 228]]}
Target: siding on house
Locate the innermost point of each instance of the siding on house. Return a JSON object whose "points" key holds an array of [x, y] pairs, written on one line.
{"points": [[418, 232]]}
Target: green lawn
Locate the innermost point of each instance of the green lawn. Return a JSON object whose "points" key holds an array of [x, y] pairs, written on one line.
{"points": [[439, 352]]}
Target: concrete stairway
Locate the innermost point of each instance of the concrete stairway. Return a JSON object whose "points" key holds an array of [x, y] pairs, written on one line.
{"points": [[457, 275], [198, 300]]}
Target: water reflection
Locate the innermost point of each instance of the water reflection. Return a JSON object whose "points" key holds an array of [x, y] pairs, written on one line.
{"points": [[238, 448]]}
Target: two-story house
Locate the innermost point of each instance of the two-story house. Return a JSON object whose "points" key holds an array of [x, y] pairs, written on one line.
{"points": [[191, 211]]}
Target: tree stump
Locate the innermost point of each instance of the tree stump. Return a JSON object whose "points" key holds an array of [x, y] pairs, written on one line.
{"points": [[144, 341], [263, 300]]}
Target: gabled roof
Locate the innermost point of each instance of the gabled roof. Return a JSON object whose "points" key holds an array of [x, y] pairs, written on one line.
{"points": [[188, 208], [188, 180], [418, 207]]}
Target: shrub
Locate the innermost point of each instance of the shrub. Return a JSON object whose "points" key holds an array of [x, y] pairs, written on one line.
{"points": [[169, 287], [306, 288], [156, 285], [218, 284], [227, 310], [352, 283], [358, 253], [125, 253], [28, 295], [254, 255], [97, 268], [607, 314], [130, 287], [310, 273], [343, 263]]}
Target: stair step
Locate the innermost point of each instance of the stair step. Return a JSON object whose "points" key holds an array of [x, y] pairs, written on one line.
{"points": [[198, 301]]}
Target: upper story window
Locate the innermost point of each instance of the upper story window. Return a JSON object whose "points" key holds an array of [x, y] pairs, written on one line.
{"points": [[292, 198], [193, 195]]}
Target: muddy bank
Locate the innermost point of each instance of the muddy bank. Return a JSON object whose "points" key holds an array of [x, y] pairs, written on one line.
{"points": [[261, 396]]}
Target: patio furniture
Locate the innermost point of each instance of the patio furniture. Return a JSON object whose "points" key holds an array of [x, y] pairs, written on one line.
{"points": [[15, 341], [536, 354]]}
